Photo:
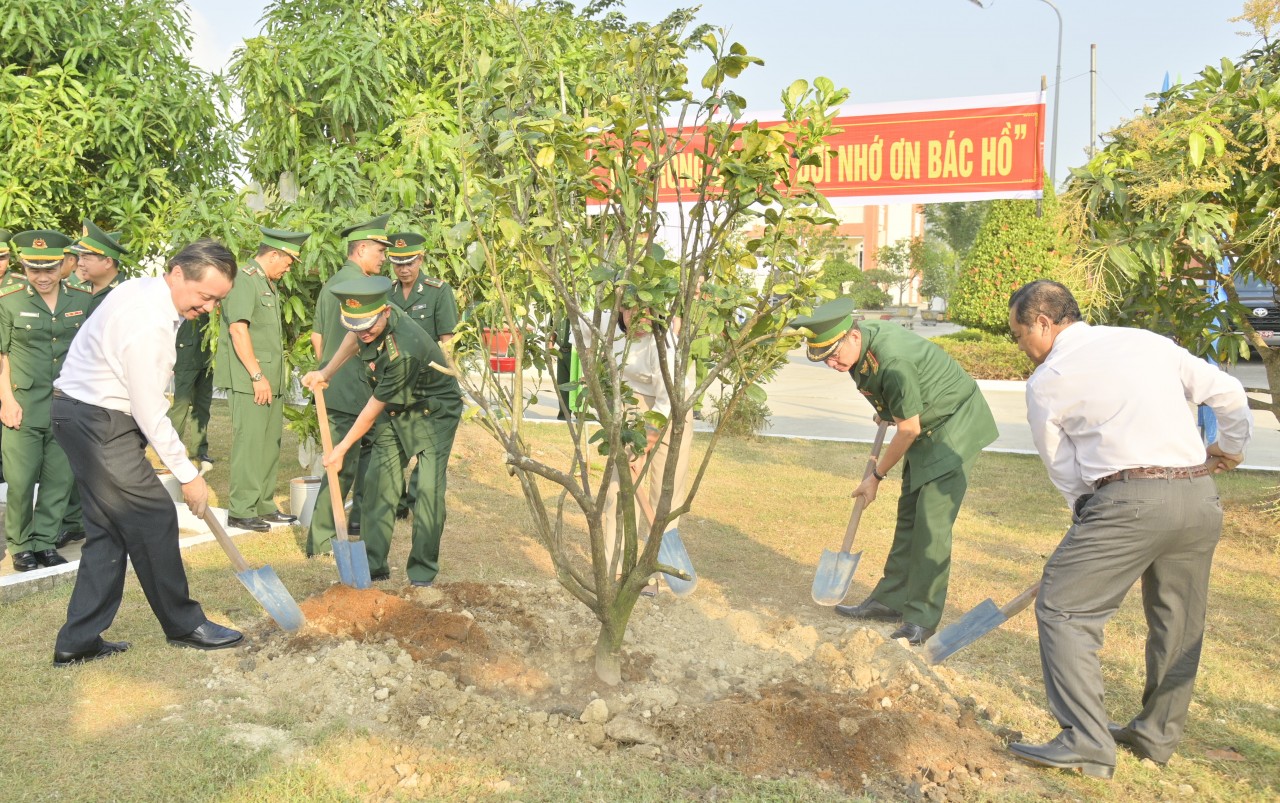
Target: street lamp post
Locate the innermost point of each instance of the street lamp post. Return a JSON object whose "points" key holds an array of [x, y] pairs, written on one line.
{"points": [[1057, 89]]}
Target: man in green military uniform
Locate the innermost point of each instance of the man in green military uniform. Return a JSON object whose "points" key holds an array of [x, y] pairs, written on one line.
{"points": [[95, 256], [193, 385], [7, 277], [942, 424], [251, 367], [414, 412], [348, 392], [428, 301], [38, 319]]}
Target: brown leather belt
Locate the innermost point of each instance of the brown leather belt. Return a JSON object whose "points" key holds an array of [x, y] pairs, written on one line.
{"points": [[1154, 473]]}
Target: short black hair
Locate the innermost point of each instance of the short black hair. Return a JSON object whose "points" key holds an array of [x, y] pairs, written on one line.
{"points": [[265, 249], [1044, 297], [200, 256]]}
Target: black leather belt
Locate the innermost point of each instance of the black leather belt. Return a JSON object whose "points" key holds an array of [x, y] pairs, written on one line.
{"points": [[1154, 473]]}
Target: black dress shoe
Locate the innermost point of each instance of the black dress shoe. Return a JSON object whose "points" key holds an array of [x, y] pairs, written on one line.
{"points": [[380, 576], [49, 557], [914, 634], [279, 518], [869, 609], [252, 523], [25, 561], [1052, 754], [209, 636], [1126, 739], [103, 650], [402, 513], [204, 458], [66, 537]]}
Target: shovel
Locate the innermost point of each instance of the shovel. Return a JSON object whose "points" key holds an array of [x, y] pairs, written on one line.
{"points": [[835, 569], [262, 583], [671, 551], [974, 625], [349, 553]]}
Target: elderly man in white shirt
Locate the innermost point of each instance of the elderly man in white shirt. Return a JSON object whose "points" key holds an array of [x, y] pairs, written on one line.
{"points": [[108, 403], [1109, 411]]}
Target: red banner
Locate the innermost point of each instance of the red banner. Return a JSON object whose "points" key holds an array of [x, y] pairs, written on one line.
{"points": [[916, 152]]}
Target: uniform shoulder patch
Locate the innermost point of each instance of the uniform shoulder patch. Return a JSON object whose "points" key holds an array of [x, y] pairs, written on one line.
{"points": [[433, 282], [80, 287], [13, 288], [393, 351]]}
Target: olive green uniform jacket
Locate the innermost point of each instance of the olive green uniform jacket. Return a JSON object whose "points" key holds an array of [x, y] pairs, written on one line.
{"points": [[903, 375], [255, 428], [430, 304], [36, 340]]}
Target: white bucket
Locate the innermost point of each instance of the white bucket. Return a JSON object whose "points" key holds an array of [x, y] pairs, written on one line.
{"points": [[302, 498]]}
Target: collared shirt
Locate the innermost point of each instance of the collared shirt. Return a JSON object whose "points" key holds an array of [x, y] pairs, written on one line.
{"points": [[430, 303], [1107, 399], [643, 372], [122, 360]]}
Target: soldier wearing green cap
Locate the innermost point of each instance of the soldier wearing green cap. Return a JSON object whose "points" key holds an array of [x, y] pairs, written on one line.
{"points": [[250, 366], [99, 261], [38, 320], [428, 301], [414, 410], [8, 276], [348, 392], [942, 424]]}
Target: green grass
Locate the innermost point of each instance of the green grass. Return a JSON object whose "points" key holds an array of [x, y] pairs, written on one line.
{"points": [[143, 726]]}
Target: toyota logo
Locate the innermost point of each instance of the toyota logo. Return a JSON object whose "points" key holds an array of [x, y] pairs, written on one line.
{"points": [[1260, 312]]}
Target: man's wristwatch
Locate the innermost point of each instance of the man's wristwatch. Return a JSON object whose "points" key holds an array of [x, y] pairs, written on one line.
{"points": [[877, 474], [255, 377]]}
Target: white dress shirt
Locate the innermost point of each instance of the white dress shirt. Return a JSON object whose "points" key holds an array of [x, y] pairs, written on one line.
{"points": [[122, 359], [1107, 398], [643, 372]]}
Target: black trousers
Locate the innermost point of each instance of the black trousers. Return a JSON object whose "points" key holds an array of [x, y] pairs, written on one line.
{"points": [[127, 513]]}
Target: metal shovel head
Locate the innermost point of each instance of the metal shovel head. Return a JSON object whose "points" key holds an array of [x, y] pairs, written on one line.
{"points": [[353, 563], [266, 588], [672, 553], [964, 631], [835, 573]]}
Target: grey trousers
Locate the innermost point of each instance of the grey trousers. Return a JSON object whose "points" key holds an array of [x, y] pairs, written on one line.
{"points": [[1162, 532], [127, 513]]}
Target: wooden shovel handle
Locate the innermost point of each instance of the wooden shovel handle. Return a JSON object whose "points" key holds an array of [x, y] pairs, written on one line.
{"points": [[859, 504], [1015, 605], [237, 560], [335, 489]]}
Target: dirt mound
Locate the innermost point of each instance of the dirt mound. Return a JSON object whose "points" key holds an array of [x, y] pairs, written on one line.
{"points": [[506, 669]]}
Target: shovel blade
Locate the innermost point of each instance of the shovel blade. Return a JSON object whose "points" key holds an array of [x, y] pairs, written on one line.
{"points": [[672, 553], [275, 599], [835, 573], [353, 563], [964, 631]]}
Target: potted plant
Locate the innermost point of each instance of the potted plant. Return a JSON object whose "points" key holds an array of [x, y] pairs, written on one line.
{"points": [[301, 419]]}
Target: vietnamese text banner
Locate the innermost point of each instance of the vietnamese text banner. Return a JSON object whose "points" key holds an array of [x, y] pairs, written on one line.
{"points": [[957, 149]]}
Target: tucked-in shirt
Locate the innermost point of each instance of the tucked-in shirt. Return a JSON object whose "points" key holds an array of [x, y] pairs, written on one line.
{"points": [[122, 360], [1107, 399]]}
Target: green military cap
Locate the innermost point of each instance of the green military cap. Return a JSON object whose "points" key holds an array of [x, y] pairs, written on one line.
{"points": [[362, 300], [375, 230], [289, 242], [406, 247], [94, 240], [5, 234], [825, 326], [41, 248]]}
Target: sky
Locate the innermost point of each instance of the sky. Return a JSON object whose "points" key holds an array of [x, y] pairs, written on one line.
{"points": [[901, 50]]}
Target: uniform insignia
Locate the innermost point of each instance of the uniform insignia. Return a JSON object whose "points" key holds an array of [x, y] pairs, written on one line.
{"points": [[82, 288], [29, 314], [39, 243], [84, 231], [434, 282], [400, 243], [417, 307], [73, 313], [373, 365], [353, 303], [393, 351], [13, 288], [871, 365]]}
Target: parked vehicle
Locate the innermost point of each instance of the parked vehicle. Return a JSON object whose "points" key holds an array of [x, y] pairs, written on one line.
{"points": [[1263, 303]]}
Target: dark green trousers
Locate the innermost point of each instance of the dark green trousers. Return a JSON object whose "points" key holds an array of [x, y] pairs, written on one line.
{"points": [[192, 401], [31, 456], [918, 568], [382, 493], [350, 478], [255, 455]]}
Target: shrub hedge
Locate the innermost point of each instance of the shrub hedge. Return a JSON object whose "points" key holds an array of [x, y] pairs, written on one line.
{"points": [[986, 356]]}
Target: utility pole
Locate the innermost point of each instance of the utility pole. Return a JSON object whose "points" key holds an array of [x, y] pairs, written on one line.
{"points": [[1093, 99]]}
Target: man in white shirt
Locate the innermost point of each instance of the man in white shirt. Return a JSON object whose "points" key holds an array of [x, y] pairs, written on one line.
{"points": [[108, 404], [1108, 409]]}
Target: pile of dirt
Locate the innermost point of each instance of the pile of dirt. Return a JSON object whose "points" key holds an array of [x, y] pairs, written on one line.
{"points": [[505, 671]]}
